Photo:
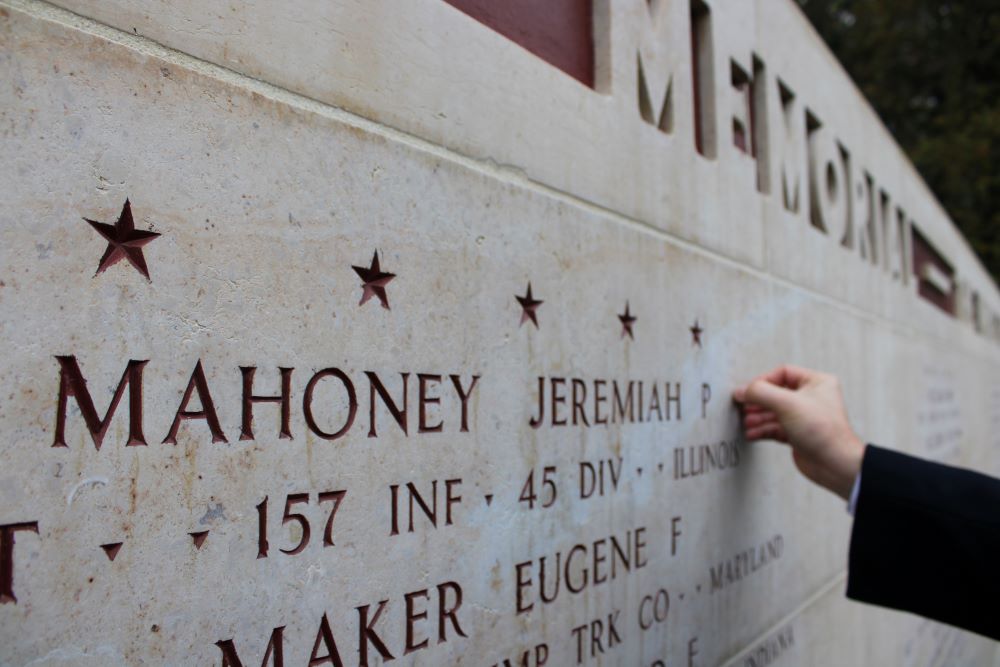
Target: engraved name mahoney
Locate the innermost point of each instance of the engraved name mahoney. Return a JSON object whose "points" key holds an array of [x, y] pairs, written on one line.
{"points": [[430, 389]]}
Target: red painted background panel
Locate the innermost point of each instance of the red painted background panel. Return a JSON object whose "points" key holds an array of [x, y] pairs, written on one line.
{"points": [[924, 253], [557, 31]]}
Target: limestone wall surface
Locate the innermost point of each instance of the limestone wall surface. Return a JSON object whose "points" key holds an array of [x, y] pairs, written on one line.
{"points": [[353, 331]]}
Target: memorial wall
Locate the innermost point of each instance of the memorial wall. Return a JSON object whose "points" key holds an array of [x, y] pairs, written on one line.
{"points": [[357, 331]]}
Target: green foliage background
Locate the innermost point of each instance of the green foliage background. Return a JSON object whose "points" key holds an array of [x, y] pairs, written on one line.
{"points": [[931, 69]]}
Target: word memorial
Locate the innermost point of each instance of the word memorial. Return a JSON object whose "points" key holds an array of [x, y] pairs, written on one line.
{"points": [[350, 334]]}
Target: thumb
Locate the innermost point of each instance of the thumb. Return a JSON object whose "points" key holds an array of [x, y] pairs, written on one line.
{"points": [[769, 396]]}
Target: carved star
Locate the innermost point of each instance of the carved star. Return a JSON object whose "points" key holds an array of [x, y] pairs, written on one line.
{"points": [[696, 332], [124, 241], [627, 319], [529, 307], [373, 282]]}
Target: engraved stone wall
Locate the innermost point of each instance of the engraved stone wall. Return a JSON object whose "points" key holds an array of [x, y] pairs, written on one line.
{"points": [[340, 333]]}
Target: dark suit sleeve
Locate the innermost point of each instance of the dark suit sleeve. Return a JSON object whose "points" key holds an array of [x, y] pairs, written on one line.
{"points": [[926, 539]]}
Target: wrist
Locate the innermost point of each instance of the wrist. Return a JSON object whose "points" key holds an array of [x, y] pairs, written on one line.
{"points": [[849, 467]]}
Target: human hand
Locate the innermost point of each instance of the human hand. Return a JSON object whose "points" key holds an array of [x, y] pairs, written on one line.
{"points": [[805, 409]]}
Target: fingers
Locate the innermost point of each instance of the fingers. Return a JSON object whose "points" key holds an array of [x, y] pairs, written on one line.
{"points": [[761, 401], [774, 390], [758, 418], [740, 396], [763, 424], [789, 376], [786, 376], [768, 431], [769, 396]]}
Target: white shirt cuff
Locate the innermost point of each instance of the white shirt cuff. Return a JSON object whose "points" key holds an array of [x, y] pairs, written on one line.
{"points": [[852, 502]]}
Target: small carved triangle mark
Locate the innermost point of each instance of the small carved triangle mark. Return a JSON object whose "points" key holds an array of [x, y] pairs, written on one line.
{"points": [[198, 538], [489, 499], [682, 596], [639, 470], [659, 467], [111, 550]]}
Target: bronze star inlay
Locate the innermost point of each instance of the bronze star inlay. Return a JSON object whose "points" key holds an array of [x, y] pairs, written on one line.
{"points": [[696, 332], [627, 319], [529, 307], [373, 282], [124, 241]]}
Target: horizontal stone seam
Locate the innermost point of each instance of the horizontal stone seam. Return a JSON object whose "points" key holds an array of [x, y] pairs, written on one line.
{"points": [[45, 11], [815, 597]]}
